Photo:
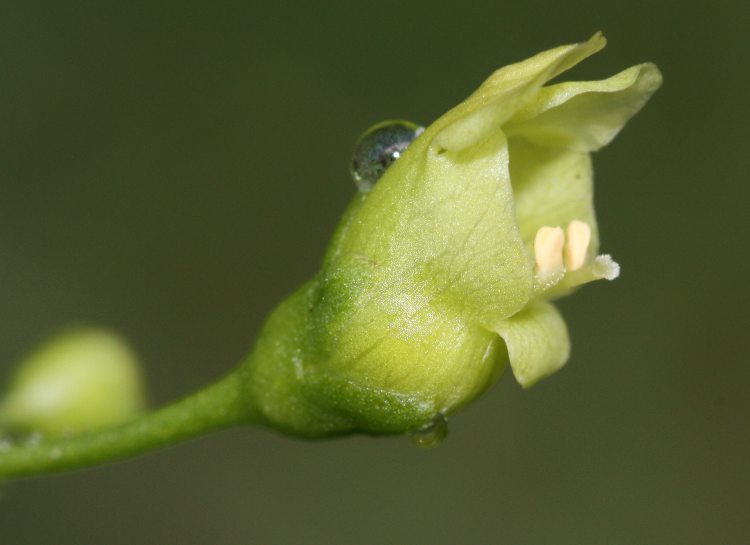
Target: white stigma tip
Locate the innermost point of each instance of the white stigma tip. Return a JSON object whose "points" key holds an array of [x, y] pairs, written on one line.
{"points": [[578, 237], [548, 250], [605, 267]]}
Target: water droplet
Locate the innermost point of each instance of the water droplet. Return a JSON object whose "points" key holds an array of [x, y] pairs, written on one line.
{"points": [[432, 434], [378, 148]]}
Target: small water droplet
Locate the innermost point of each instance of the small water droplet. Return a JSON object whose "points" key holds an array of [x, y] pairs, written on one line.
{"points": [[432, 434], [378, 148]]}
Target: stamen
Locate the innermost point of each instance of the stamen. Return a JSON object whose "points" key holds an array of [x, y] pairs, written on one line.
{"points": [[578, 239], [548, 249]]}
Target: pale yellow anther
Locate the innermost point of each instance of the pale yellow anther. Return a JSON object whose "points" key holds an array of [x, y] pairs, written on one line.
{"points": [[577, 244], [548, 250]]}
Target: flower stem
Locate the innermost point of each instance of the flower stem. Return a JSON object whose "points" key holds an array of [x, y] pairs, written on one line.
{"points": [[217, 406]]}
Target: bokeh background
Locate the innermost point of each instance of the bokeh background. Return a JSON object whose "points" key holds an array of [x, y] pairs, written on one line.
{"points": [[173, 169]]}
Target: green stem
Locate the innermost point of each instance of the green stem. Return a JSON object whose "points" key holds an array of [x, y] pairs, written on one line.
{"points": [[217, 406]]}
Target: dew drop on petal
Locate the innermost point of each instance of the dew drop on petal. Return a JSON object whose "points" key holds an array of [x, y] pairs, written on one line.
{"points": [[432, 434], [378, 148]]}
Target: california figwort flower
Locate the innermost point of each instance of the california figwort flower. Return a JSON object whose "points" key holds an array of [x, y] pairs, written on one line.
{"points": [[79, 381], [441, 271], [444, 269]]}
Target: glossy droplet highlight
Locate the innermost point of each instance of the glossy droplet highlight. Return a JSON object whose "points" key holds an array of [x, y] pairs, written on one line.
{"points": [[378, 148], [432, 434]]}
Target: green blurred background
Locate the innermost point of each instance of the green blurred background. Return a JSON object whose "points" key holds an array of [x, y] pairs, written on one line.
{"points": [[173, 169]]}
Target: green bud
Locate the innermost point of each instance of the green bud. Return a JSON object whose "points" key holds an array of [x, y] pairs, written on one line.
{"points": [[79, 381], [444, 270]]}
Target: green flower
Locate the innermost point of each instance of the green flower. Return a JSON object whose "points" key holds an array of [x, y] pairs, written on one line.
{"points": [[441, 271], [445, 269], [79, 381]]}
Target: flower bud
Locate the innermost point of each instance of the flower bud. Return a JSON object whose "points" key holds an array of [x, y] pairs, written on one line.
{"points": [[78, 381], [444, 269]]}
